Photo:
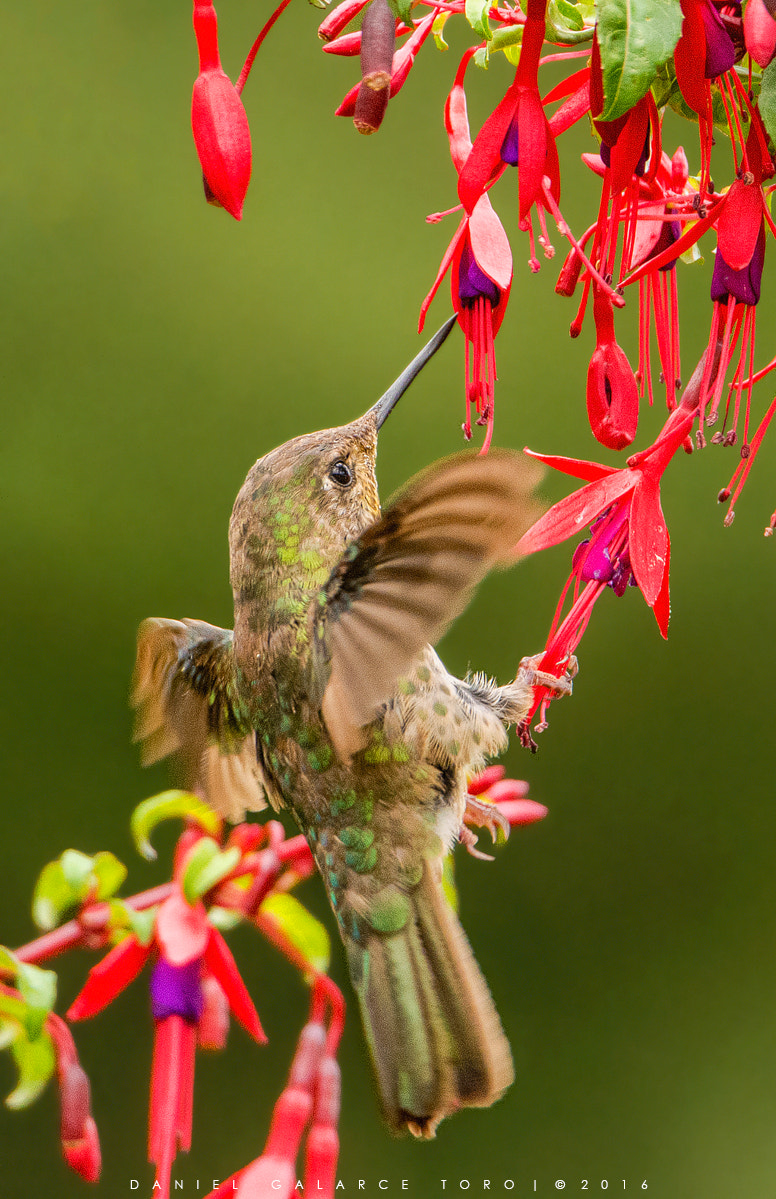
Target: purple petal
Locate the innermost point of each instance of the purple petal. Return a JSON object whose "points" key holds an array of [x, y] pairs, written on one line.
{"points": [[720, 50], [672, 231], [510, 146], [176, 991], [472, 282], [744, 285]]}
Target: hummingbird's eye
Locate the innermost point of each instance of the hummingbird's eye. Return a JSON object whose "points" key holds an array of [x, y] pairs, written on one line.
{"points": [[341, 473]]}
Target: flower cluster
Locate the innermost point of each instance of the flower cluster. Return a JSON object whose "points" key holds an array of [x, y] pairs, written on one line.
{"points": [[174, 933]]}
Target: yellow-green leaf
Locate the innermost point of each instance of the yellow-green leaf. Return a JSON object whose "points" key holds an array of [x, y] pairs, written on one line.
{"points": [[169, 804], [302, 929]]}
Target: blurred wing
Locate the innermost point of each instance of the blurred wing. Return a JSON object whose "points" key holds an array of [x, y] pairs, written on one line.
{"points": [[183, 690], [409, 575]]}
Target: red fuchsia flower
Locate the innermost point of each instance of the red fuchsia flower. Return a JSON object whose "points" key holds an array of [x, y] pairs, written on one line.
{"points": [[628, 544], [310, 1098], [218, 120], [705, 52], [78, 1131], [760, 30], [185, 950], [517, 133], [629, 539], [480, 262]]}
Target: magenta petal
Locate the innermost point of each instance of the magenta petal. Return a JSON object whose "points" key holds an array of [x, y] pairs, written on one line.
{"points": [[648, 539], [570, 516]]}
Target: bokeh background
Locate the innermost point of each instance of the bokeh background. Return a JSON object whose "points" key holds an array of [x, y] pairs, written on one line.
{"points": [[153, 348]]}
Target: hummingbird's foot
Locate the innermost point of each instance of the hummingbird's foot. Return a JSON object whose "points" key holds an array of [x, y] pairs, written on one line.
{"points": [[481, 814], [530, 674]]}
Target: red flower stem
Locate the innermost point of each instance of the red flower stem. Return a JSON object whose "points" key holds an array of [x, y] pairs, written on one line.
{"points": [[94, 919], [248, 64], [563, 229]]}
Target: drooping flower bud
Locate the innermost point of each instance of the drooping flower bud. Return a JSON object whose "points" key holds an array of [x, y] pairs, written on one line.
{"points": [[378, 42], [612, 390], [218, 120], [760, 32]]}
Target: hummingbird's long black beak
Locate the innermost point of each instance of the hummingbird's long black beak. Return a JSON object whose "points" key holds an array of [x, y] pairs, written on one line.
{"points": [[387, 402]]}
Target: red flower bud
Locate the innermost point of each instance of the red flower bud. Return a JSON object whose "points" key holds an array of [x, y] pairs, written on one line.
{"points": [[759, 32], [612, 390], [218, 119], [78, 1131]]}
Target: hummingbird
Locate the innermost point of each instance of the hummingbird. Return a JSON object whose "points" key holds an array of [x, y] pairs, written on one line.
{"points": [[328, 699]]}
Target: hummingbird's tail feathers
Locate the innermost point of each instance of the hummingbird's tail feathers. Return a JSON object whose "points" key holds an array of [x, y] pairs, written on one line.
{"points": [[401, 584], [183, 693], [434, 1034]]}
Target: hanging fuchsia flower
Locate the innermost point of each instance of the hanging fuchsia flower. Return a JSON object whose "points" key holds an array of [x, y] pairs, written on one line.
{"points": [[480, 262], [517, 133], [186, 949], [218, 120], [628, 529]]}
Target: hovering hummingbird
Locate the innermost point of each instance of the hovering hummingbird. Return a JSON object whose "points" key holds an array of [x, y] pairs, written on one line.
{"points": [[328, 699]]}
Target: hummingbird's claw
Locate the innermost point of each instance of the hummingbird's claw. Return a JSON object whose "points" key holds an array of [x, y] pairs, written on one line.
{"points": [[558, 686], [481, 814]]}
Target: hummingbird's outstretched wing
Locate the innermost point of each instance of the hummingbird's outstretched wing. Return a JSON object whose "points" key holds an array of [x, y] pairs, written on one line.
{"points": [[186, 704], [400, 585]]}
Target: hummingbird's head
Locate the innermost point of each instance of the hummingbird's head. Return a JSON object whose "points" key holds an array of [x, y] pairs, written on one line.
{"points": [[316, 490]]}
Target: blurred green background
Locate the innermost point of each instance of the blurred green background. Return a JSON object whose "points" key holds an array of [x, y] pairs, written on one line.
{"points": [[153, 349]]}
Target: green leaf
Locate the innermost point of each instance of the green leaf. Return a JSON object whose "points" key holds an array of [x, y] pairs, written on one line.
{"points": [[169, 804], [35, 1062], [768, 99], [566, 23], [302, 929], [402, 9], [109, 874], [206, 865], [508, 35], [52, 896], [38, 989], [68, 881], [437, 29], [224, 919], [477, 16], [76, 869], [635, 38], [122, 916]]}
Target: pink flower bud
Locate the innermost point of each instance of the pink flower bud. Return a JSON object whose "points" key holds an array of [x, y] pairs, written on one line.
{"points": [[218, 120], [612, 397], [759, 32], [78, 1131]]}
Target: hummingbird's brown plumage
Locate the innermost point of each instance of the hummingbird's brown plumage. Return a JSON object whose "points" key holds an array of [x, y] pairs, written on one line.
{"points": [[328, 699]]}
